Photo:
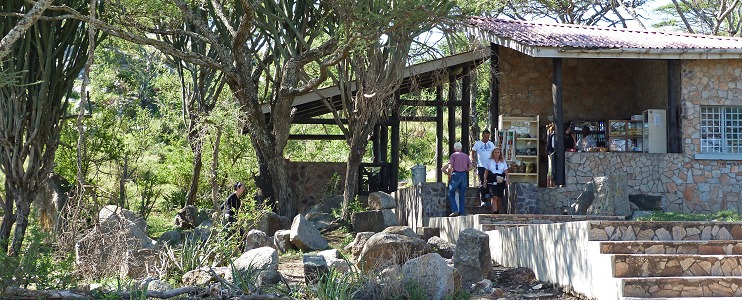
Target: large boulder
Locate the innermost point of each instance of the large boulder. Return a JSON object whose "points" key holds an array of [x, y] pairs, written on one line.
{"points": [[356, 246], [186, 217], [442, 247], [139, 263], [611, 196], [171, 237], [261, 262], [315, 266], [524, 196], [50, 200], [320, 220], [472, 257], [327, 205], [402, 230], [269, 222], [432, 273], [335, 260], [584, 200], [282, 241], [381, 200], [373, 220], [257, 239], [114, 218], [203, 276], [385, 249], [305, 237]]}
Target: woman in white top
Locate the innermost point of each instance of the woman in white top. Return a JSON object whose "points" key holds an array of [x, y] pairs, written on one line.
{"points": [[496, 176]]}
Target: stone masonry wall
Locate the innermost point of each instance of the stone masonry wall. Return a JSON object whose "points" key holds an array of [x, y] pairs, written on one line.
{"points": [[312, 180], [417, 202]]}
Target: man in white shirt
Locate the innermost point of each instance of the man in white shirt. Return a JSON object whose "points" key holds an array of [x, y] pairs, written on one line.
{"points": [[480, 155]]}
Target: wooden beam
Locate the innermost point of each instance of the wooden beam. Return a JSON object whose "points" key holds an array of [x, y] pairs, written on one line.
{"points": [[451, 112], [319, 137], [494, 102], [674, 135], [376, 144], [439, 134], [429, 103], [556, 96], [317, 121], [465, 108], [394, 178], [384, 147]]}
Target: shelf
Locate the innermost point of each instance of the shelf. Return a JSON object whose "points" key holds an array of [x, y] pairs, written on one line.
{"points": [[525, 139], [522, 174], [525, 156]]}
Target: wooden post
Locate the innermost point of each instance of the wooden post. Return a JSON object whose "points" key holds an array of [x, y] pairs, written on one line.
{"points": [[451, 112], [494, 104], [465, 108], [439, 133], [394, 178], [375, 144], [674, 136], [556, 95]]}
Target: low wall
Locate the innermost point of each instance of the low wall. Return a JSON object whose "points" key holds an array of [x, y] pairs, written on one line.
{"points": [[311, 181], [417, 203], [558, 253]]}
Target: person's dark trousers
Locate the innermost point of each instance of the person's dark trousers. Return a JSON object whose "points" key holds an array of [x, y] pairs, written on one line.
{"points": [[482, 189]]}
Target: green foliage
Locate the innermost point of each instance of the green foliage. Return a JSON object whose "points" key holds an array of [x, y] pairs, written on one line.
{"points": [[159, 222], [112, 286], [722, 216], [354, 207], [338, 285], [38, 266]]}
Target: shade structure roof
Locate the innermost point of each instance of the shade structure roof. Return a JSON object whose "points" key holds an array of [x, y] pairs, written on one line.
{"points": [[577, 41]]}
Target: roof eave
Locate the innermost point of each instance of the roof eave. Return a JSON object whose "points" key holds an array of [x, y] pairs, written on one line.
{"points": [[628, 53]]}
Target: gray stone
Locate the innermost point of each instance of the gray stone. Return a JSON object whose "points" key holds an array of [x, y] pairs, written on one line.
{"points": [[114, 218], [356, 246], [256, 239], [327, 204], [269, 222], [385, 249], [264, 258], [584, 200], [432, 273], [335, 260], [373, 220], [472, 256], [428, 232], [282, 241], [155, 285], [202, 275], [646, 202], [315, 266], [442, 247], [305, 237], [185, 218], [171, 237], [403, 230], [139, 263], [611, 198], [320, 220], [269, 277], [381, 200], [524, 195]]}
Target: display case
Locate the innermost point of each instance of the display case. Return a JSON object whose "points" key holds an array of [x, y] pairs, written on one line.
{"points": [[597, 130], [654, 131], [518, 137], [625, 135]]}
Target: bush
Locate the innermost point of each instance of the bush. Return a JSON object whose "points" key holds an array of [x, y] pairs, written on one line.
{"points": [[722, 216]]}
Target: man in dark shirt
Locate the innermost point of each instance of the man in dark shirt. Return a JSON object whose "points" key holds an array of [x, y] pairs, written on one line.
{"points": [[232, 206]]}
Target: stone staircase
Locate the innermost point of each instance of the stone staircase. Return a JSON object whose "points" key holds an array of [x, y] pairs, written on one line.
{"points": [[669, 260]]}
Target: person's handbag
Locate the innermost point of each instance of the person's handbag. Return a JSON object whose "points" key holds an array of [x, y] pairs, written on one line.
{"points": [[500, 179]]}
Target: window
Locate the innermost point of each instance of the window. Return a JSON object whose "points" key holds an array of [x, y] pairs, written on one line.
{"points": [[721, 130]]}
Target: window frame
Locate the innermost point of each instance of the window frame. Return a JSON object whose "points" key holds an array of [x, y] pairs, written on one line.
{"points": [[714, 121]]}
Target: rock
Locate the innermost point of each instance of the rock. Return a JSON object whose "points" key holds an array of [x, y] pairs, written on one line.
{"points": [[524, 196], [185, 218], [269, 222], [155, 285], [483, 287], [611, 198], [402, 230], [260, 259], [384, 249], [335, 260], [50, 200], [320, 220], [139, 263], [171, 237], [646, 202], [113, 218], [282, 241], [327, 205], [584, 200], [472, 256], [356, 246], [371, 290], [256, 239], [202, 275], [381, 200], [373, 220], [428, 232], [432, 273], [269, 277], [442, 247], [207, 223], [305, 237], [315, 266]]}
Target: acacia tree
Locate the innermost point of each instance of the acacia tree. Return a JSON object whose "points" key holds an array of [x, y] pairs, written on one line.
{"points": [[46, 59], [372, 73], [246, 37], [585, 12], [717, 17], [20, 28]]}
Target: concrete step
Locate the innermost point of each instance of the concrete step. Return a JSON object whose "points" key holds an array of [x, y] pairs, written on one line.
{"points": [[540, 219], [489, 227], [675, 265], [719, 247], [682, 287], [663, 231]]}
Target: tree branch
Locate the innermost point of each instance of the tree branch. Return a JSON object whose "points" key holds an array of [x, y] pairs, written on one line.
{"points": [[17, 32]]}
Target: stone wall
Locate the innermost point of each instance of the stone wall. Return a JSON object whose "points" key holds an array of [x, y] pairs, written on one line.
{"points": [[311, 181], [421, 201]]}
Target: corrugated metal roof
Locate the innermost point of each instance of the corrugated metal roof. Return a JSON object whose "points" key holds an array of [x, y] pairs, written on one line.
{"points": [[583, 39]]}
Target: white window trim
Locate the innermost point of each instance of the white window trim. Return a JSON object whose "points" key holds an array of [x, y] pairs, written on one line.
{"points": [[716, 155]]}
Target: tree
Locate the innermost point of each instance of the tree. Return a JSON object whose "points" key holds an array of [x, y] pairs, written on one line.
{"points": [[20, 28], [717, 17], [247, 38], [614, 13], [375, 67], [48, 58]]}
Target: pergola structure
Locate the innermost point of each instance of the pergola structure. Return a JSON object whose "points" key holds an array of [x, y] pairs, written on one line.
{"points": [[453, 70]]}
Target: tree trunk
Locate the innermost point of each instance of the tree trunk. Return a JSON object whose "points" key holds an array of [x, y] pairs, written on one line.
{"points": [[358, 144], [122, 181], [196, 147], [283, 194], [8, 221], [215, 169], [21, 216]]}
